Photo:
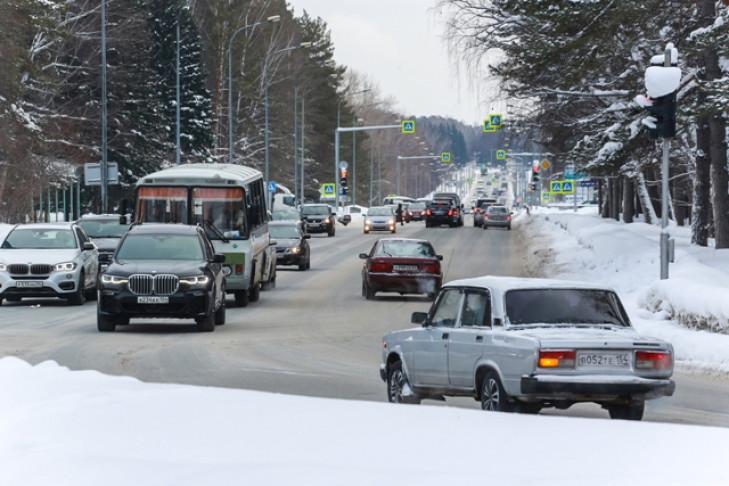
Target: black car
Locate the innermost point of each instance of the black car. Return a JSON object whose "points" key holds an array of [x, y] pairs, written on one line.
{"points": [[443, 211], [292, 247], [162, 271], [319, 218], [105, 230]]}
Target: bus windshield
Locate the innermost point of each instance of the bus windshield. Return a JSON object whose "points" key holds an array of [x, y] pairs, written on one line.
{"points": [[222, 208]]}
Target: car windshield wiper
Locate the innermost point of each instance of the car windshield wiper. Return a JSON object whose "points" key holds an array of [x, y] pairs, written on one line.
{"points": [[215, 230]]}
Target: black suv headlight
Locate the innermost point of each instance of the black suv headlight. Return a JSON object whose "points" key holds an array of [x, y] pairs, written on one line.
{"points": [[117, 281], [195, 282]]}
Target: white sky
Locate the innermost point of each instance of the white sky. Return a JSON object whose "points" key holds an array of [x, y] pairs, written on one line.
{"points": [[398, 46], [82, 428]]}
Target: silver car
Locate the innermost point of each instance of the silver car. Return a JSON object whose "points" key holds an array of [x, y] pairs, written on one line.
{"points": [[496, 216], [525, 344], [48, 260], [380, 218]]}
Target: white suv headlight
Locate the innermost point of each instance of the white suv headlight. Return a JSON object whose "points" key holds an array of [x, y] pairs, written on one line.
{"points": [[64, 267], [3, 267]]}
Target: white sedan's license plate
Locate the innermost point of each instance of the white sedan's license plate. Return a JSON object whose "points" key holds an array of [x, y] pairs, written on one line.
{"points": [[153, 300], [28, 284], [603, 360], [405, 268]]}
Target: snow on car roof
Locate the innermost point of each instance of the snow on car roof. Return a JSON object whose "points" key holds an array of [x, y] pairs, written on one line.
{"points": [[503, 284]]}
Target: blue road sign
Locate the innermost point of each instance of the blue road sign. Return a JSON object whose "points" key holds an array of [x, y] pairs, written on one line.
{"points": [[271, 186], [495, 120], [555, 186], [501, 154], [328, 189], [568, 186], [590, 183], [408, 126]]}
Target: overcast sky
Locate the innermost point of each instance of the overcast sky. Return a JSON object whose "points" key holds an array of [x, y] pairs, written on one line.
{"points": [[399, 46]]}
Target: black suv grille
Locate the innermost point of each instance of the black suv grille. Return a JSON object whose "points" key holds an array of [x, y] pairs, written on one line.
{"points": [[143, 284]]}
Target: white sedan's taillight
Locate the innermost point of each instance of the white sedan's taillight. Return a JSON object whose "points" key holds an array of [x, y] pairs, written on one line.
{"points": [[557, 358], [653, 360]]}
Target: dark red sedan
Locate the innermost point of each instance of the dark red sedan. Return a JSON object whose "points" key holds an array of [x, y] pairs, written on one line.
{"points": [[402, 265]]}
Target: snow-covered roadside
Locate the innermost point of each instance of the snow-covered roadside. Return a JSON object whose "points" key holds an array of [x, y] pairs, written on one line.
{"points": [[690, 308]]}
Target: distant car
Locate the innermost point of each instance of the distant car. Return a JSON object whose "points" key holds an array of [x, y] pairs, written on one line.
{"points": [[479, 208], [105, 230], [48, 260], [380, 218], [162, 271], [590, 203], [403, 265], [417, 210], [292, 247], [319, 218], [443, 211], [287, 213], [497, 217], [521, 345]]}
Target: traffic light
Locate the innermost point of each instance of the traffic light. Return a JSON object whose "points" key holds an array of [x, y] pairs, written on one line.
{"points": [[662, 122], [535, 174], [343, 182]]}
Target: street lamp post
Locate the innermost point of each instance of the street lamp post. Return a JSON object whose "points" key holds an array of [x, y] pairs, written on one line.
{"points": [[303, 45], [272, 19]]}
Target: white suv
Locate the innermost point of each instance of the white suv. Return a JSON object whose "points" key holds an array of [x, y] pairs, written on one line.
{"points": [[48, 260]]}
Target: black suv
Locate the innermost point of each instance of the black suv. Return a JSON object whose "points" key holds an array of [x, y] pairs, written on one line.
{"points": [[162, 271], [443, 211], [319, 218]]}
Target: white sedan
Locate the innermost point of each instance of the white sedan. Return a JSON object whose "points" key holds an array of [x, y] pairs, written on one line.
{"points": [[522, 345]]}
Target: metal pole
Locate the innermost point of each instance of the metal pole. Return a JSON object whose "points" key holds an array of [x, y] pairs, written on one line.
{"points": [[336, 167], [296, 148], [354, 165], [104, 167], [302, 148], [664, 189], [397, 186], [177, 95]]}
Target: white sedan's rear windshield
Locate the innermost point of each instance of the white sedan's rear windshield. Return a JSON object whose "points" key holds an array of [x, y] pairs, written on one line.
{"points": [[564, 306]]}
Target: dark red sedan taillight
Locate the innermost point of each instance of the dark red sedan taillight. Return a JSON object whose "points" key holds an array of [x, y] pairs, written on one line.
{"points": [[431, 268], [379, 267]]}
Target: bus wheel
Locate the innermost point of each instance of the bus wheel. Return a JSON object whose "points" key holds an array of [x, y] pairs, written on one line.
{"points": [[241, 298], [255, 293]]}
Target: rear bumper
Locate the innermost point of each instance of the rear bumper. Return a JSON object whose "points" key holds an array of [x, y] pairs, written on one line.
{"points": [[595, 387], [409, 284]]}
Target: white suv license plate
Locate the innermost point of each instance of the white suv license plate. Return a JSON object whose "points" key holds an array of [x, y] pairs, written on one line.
{"points": [[28, 284], [603, 360], [405, 268], [153, 300]]}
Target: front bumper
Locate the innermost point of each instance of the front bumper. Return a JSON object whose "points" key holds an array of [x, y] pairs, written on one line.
{"points": [[57, 284], [182, 305]]}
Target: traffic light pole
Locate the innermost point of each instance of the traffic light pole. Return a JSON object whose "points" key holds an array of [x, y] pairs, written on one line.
{"points": [[339, 130], [665, 240]]}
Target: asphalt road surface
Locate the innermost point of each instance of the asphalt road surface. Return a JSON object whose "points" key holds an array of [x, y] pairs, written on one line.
{"points": [[313, 335]]}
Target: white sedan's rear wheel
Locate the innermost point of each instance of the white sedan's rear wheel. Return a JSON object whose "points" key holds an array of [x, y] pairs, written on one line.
{"points": [[493, 396]]}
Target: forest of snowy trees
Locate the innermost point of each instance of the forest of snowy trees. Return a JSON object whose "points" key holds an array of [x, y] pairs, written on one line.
{"points": [[568, 70]]}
